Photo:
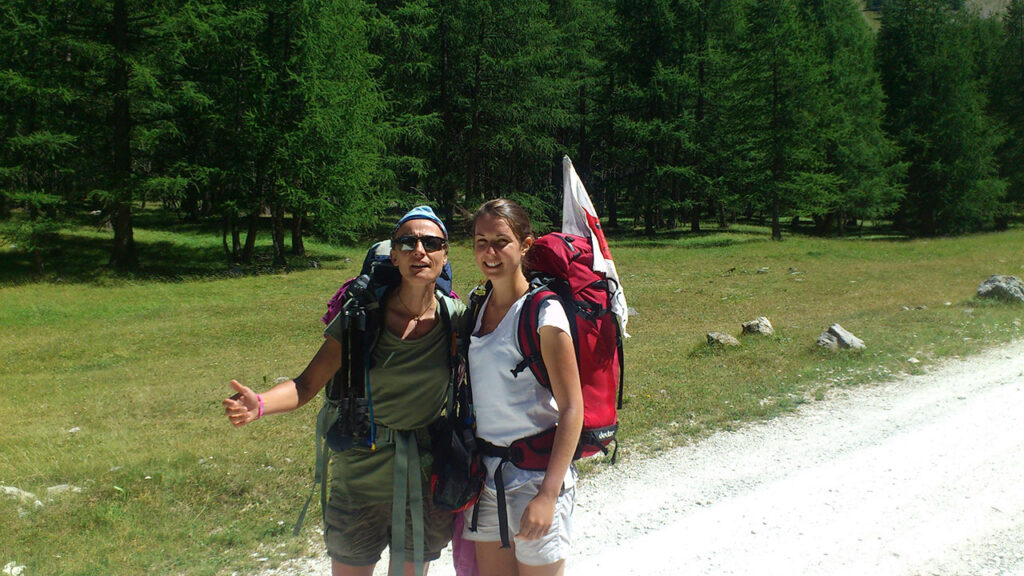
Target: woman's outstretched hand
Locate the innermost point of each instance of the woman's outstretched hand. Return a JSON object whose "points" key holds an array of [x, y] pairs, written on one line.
{"points": [[243, 407]]}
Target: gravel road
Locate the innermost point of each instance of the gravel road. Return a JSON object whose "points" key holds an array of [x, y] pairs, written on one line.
{"points": [[920, 476]]}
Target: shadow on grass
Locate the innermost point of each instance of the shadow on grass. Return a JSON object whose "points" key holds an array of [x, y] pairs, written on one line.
{"points": [[83, 259], [748, 232], [711, 238]]}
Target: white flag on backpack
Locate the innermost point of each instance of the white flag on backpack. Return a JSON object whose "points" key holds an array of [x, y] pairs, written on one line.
{"points": [[580, 218]]}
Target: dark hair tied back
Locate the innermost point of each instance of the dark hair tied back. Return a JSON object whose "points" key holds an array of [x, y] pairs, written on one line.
{"points": [[513, 215]]}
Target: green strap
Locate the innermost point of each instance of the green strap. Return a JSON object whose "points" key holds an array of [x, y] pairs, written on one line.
{"points": [[416, 503], [328, 414], [407, 489]]}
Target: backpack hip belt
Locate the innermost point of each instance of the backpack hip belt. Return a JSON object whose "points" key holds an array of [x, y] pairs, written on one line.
{"points": [[528, 453]]}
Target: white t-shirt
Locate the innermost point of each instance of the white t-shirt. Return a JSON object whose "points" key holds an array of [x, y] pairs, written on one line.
{"points": [[511, 407]]}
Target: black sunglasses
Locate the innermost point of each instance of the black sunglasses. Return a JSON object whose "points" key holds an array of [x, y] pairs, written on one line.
{"points": [[430, 243]]}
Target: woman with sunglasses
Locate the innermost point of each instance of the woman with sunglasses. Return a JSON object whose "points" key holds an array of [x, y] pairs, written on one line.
{"points": [[409, 373], [539, 503]]}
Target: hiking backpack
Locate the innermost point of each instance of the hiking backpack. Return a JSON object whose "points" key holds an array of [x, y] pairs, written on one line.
{"points": [[561, 269], [358, 300], [346, 416]]}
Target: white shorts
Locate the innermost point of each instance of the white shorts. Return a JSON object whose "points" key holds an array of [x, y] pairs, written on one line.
{"points": [[554, 546]]}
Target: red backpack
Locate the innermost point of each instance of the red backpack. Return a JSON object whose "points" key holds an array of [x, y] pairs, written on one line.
{"points": [[561, 269]]}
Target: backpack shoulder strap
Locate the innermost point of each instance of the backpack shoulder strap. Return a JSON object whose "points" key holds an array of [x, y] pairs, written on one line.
{"points": [[444, 310], [526, 332], [363, 360], [452, 330], [476, 302]]}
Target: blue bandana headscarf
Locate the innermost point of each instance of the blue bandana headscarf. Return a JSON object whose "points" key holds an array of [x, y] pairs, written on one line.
{"points": [[424, 213]]}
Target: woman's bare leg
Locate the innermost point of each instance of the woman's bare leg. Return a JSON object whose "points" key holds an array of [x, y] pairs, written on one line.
{"points": [[555, 569], [339, 569], [493, 560]]}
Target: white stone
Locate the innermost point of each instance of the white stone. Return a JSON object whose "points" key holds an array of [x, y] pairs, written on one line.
{"points": [[63, 489], [721, 339], [759, 325], [837, 338], [24, 496]]}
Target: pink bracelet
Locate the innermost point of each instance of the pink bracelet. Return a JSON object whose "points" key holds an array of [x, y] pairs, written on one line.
{"points": [[260, 413]]}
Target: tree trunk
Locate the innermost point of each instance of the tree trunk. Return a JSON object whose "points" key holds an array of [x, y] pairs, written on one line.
{"points": [[447, 189], [123, 255], [474, 130], [277, 234], [613, 209], [702, 49], [250, 236], [224, 229], [777, 167], [649, 219], [236, 239], [823, 224], [190, 205], [298, 247], [776, 225], [231, 228], [583, 149]]}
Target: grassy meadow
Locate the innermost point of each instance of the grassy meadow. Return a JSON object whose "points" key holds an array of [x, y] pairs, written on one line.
{"points": [[112, 384]]}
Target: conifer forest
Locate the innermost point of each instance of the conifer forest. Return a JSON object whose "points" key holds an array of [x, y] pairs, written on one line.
{"points": [[325, 117]]}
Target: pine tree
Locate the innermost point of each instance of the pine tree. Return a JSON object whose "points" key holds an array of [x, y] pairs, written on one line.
{"points": [[404, 36], [717, 25], [334, 150], [1008, 93], [858, 153], [501, 99], [125, 33], [584, 41], [937, 114], [36, 151], [104, 65], [276, 109], [778, 77], [219, 93], [654, 122], [589, 47]]}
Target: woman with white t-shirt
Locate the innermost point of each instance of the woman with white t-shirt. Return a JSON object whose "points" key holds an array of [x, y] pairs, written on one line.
{"points": [[539, 503]]}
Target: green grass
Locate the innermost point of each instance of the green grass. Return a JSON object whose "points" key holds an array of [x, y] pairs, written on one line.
{"points": [[681, 293], [113, 383]]}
